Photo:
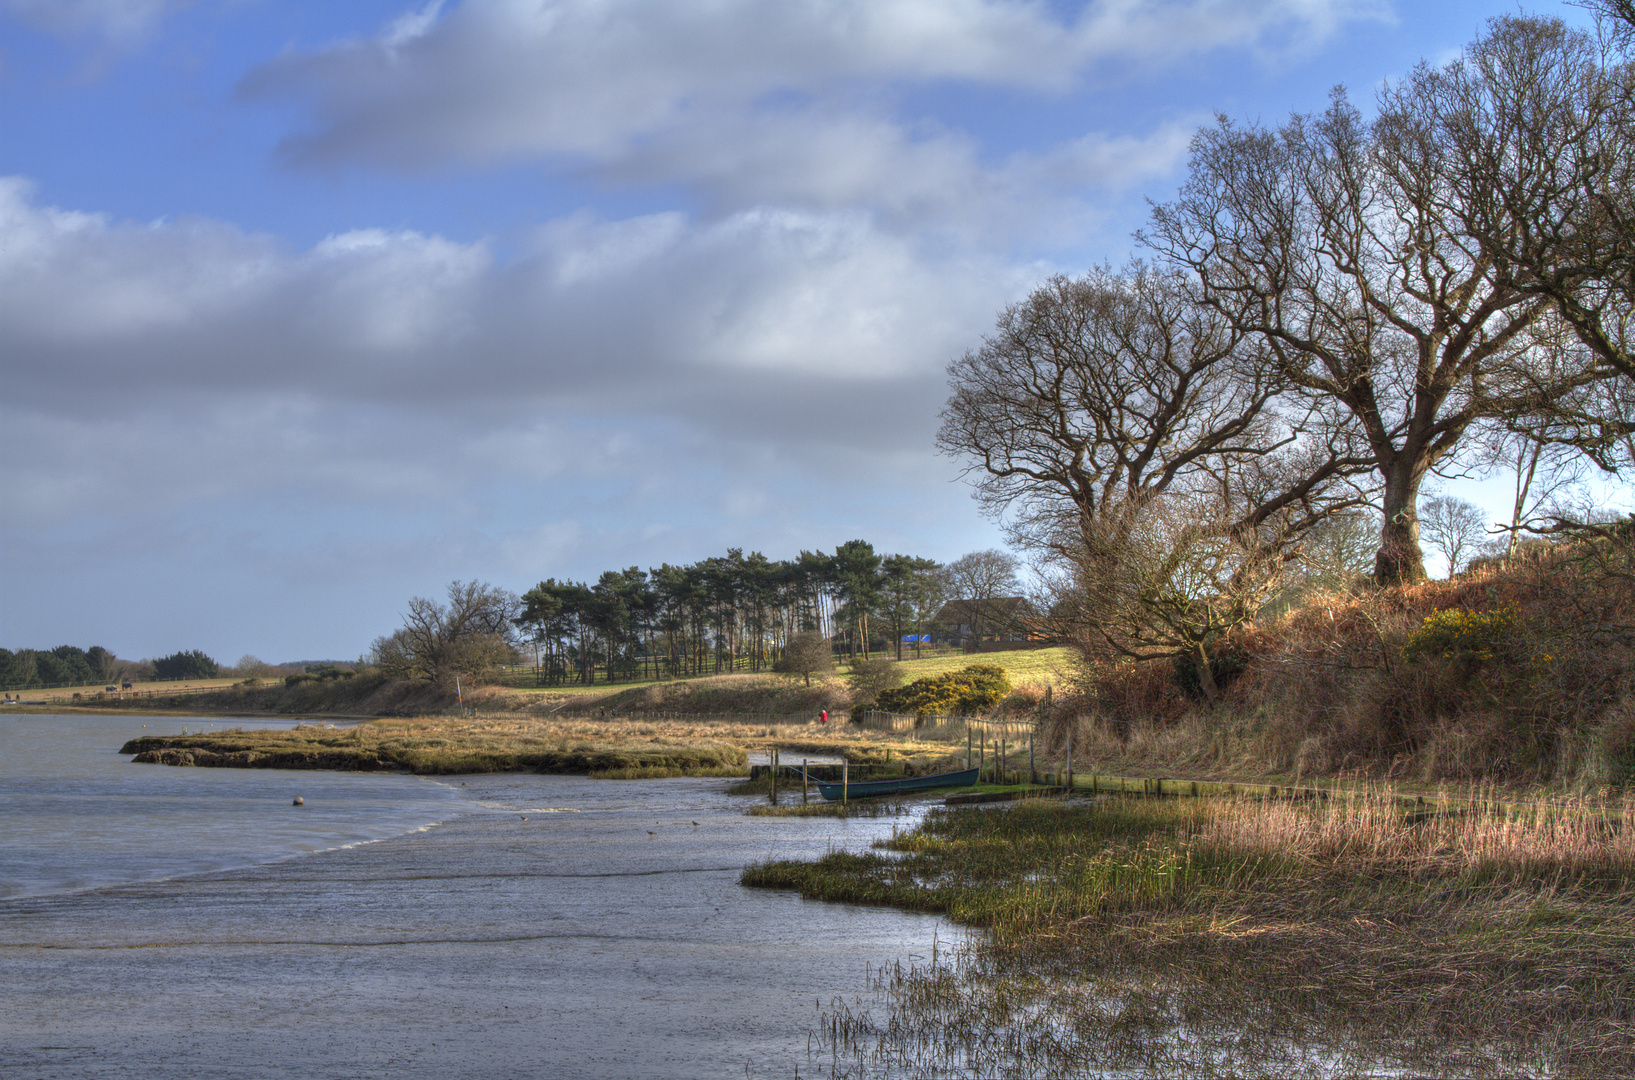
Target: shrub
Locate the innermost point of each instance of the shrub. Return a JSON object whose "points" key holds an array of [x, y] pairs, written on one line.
{"points": [[185, 665], [1473, 637], [973, 689], [870, 678]]}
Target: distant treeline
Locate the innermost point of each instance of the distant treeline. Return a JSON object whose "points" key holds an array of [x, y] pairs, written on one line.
{"points": [[728, 612], [734, 612], [68, 665]]}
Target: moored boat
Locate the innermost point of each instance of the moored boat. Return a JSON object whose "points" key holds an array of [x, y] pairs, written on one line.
{"points": [[864, 789]]}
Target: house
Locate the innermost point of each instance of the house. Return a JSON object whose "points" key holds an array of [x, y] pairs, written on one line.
{"points": [[1001, 618]]}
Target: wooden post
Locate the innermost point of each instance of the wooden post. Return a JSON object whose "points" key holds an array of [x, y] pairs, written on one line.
{"points": [[774, 797], [1033, 774], [804, 773], [1002, 769], [967, 746], [1070, 765], [845, 780]]}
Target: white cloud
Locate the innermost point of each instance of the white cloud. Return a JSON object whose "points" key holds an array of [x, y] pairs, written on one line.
{"points": [[594, 83], [218, 362]]}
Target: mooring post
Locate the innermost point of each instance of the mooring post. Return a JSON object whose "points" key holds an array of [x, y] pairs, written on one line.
{"points": [[805, 772], [967, 746], [845, 780], [1033, 774], [1070, 765], [1002, 762], [774, 795]]}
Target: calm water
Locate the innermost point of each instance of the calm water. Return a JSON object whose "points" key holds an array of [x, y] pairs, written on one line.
{"points": [[514, 926], [75, 813]]}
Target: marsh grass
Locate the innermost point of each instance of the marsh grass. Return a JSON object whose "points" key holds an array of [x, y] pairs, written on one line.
{"points": [[1249, 938], [500, 742], [443, 746]]}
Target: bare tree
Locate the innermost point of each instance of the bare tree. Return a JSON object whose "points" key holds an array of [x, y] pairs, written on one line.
{"points": [[1341, 245], [468, 637], [1546, 472], [1118, 386], [808, 653], [1537, 122], [1168, 577], [1455, 528], [1106, 409], [979, 581], [1335, 554]]}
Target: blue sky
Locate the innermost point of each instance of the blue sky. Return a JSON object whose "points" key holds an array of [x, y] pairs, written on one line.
{"points": [[308, 308]]}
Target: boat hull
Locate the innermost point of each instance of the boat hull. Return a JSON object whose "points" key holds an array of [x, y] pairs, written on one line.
{"points": [[902, 785]]}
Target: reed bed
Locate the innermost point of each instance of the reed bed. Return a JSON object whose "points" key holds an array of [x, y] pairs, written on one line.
{"points": [[612, 748], [441, 746], [1158, 937]]}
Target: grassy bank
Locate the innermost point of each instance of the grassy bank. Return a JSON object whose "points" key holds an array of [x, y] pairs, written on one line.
{"points": [[1522, 674], [1192, 937]]}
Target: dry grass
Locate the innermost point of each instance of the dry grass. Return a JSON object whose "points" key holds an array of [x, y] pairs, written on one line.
{"points": [[621, 747]]}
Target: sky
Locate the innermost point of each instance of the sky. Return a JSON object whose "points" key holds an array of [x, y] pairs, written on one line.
{"points": [[308, 308]]}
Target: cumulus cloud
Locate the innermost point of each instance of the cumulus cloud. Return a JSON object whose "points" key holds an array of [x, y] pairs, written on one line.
{"points": [[596, 83], [224, 360]]}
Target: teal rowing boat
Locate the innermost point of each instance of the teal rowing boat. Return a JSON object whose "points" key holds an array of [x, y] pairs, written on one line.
{"points": [[863, 789]]}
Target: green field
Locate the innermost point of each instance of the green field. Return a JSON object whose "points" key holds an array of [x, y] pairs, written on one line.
{"points": [[1041, 666]]}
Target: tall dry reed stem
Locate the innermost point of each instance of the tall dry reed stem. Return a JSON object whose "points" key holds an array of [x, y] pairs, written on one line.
{"points": [[1486, 839]]}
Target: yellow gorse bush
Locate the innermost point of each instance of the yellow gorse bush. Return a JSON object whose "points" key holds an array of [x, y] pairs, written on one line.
{"points": [[1460, 634]]}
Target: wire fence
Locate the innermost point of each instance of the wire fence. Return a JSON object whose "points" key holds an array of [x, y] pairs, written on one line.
{"points": [[149, 687]]}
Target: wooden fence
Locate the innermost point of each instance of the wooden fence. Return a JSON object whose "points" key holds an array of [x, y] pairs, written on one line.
{"points": [[943, 728]]}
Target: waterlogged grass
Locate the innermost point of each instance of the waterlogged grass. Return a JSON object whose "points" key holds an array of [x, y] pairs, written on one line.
{"points": [[1184, 937], [1036, 863]]}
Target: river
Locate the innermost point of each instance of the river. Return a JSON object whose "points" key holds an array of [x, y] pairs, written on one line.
{"points": [[171, 922]]}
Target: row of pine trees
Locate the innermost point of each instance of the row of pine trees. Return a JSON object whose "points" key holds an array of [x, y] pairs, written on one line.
{"points": [[733, 612]]}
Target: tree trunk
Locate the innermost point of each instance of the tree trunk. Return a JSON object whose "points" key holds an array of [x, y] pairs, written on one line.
{"points": [[1206, 674], [1400, 561]]}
